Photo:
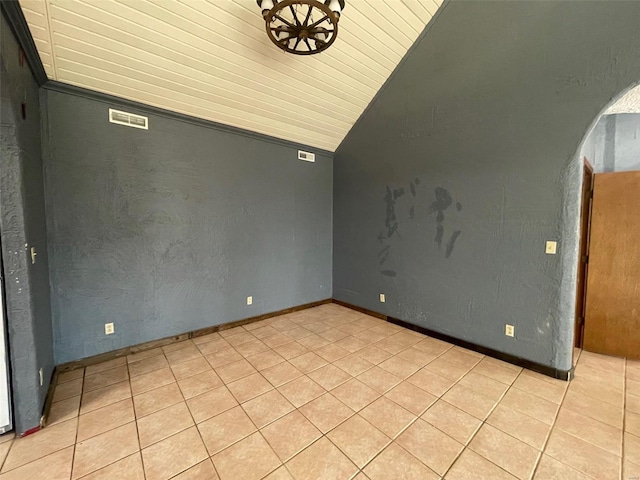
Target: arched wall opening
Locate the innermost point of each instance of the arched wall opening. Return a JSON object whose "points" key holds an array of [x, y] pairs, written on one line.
{"points": [[609, 161]]}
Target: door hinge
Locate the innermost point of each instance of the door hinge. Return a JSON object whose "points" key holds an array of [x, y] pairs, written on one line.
{"points": [[585, 259], [590, 193]]}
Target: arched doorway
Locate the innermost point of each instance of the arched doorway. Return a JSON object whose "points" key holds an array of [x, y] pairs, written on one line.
{"points": [[608, 302]]}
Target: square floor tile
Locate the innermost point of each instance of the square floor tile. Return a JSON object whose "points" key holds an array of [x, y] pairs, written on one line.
{"points": [[355, 394], [431, 382], [378, 379], [388, 416], [484, 385], [551, 469], [267, 407], [201, 471], [456, 423], [99, 451], [523, 427], [399, 367], [321, 461], [190, 368], [290, 434], [35, 446], [584, 457], [265, 360], [163, 424], [326, 412], [281, 373], [157, 399], [64, 410], [470, 465], [219, 358], [434, 448], [249, 459], [105, 419], [395, 462], [514, 456], [105, 378], [211, 403], [411, 397], [173, 455], [149, 381], [102, 366], [225, 429], [301, 390], [536, 407], [590, 430], [358, 439], [199, 383], [470, 401], [249, 387], [55, 465], [147, 365], [129, 467], [70, 375], [329, 376], [104, 396], [308, 362], [235, 371]]}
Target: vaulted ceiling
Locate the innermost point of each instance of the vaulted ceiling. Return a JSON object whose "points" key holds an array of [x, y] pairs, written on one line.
{"points": [[212, 59]]}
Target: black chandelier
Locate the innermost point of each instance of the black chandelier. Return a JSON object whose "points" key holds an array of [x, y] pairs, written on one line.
{"points": [[303, 27]]}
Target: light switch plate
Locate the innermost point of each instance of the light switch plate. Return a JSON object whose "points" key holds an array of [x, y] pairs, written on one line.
{"points": [[249, 300], [382, 298], [551, 247]]}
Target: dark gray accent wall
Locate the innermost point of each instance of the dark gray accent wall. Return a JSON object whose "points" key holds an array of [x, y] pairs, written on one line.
{"points": [[614, 143], [467, 161], [169, 230], [22, 226]]}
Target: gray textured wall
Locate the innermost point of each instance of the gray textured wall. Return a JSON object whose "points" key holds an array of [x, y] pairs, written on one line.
{"points": [[614, 143], [169, 230], [448, 186], [22, 222]]}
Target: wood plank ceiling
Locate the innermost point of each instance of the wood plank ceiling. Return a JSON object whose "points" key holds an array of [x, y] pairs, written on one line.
{"points": [[212, 59]]}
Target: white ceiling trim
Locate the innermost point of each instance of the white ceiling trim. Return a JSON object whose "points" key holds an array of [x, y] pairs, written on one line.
{"points": [[212, 59]]}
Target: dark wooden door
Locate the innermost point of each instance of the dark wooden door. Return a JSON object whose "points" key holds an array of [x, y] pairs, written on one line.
{"points": [[612, 321], [583, 262]]}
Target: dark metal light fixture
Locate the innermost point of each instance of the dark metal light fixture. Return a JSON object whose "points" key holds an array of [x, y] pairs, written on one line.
{"points": [[303, 27]]}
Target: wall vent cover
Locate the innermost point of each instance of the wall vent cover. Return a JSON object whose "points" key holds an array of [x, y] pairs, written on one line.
{"points": [[128, 119], [306, 156]]}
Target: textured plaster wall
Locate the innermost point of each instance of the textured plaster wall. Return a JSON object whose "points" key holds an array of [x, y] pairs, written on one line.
{"points": [[448, 186], [169, 230], [22, 224]]}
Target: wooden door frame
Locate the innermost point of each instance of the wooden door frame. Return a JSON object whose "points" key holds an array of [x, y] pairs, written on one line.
{"points": [[586, 191]]}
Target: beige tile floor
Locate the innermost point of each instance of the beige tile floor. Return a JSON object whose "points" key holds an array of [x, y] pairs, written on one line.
{"points": [[329, 393]]}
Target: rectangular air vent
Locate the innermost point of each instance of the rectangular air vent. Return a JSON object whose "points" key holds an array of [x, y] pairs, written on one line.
{"points": [[306, 156], [128, 119]]}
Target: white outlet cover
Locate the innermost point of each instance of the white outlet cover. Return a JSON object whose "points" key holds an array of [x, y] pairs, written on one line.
{"points": [[108, 328], [382, 298], [509, 330], [249, 300], [551, 247]]}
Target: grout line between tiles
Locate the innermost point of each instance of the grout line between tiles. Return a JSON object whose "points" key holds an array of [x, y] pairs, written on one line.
{"points": [[135, 420]]}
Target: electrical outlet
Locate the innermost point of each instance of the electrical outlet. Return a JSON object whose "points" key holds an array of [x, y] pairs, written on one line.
{"points": [[108, 328], [551, 247], [249, 300], [41, 377], [509, 330], [382, 298]]}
